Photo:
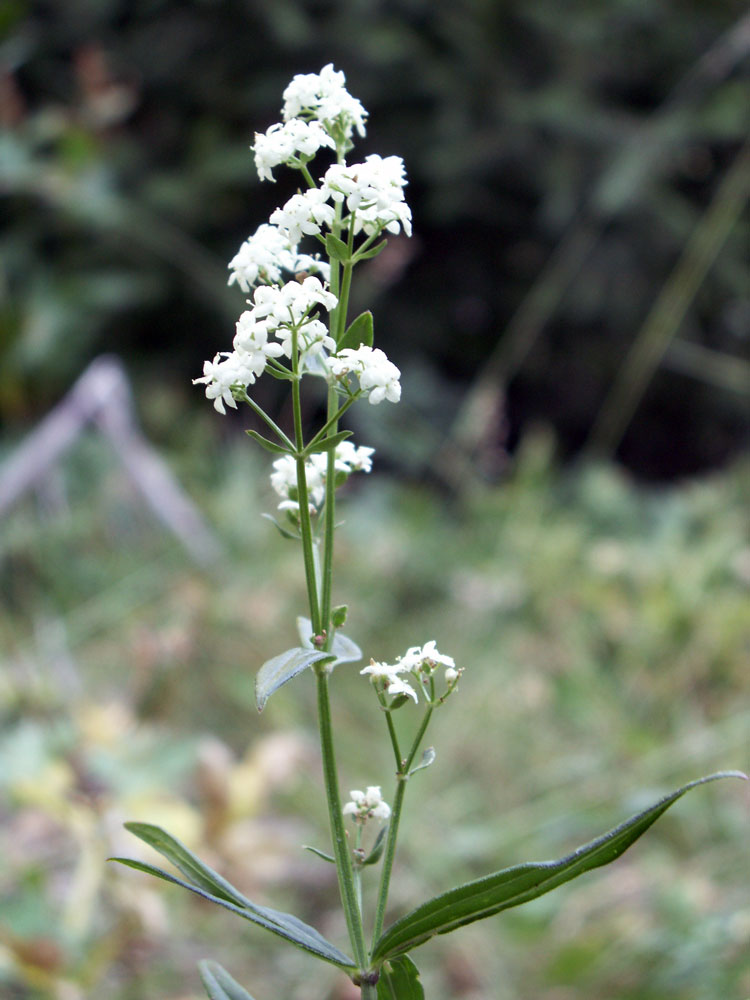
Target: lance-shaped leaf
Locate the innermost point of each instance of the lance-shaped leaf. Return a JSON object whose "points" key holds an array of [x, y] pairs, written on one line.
{"points": [[208, 884], [283, 668], [219, 984], [399, 980], [359, 331], [343, 649], [487, 896], [272, 446]]}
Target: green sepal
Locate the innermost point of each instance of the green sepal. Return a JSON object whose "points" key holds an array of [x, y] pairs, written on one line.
{"points": [[282, 668], [327, 443], [280, 527], [399, 980], [337, 249], [377, 848], [360, 331], [208, 884], [484, 897], [372, 252], [343, 649], [320, 854], [271, 446], [219, 984]]}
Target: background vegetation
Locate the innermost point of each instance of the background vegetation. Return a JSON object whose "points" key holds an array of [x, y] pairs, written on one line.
{"points": [[578, 176]]}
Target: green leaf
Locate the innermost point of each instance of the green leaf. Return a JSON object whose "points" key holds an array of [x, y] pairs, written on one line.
{"points": [[283, 668], [377, 848], [327, 443], [337, 249], [208, 884], [219, 984], [284, 531], [343, 649], [399, 980], [359, 331], [372, 252], [487, 896], [320, 854], [271, 446], [428, 757]]}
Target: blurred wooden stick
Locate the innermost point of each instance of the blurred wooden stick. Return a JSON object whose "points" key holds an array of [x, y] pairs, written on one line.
{"points": [[102, 396]]}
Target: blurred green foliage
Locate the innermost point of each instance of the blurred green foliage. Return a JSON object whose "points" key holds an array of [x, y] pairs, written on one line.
{"points": [[604, 632], [587, 138]]}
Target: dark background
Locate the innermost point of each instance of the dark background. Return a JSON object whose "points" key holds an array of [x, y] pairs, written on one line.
{"points": [[560, 158]]}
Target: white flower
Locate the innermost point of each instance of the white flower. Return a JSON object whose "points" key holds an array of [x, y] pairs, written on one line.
{"points": [[219, 376], [451, 675], [377, 375], [265, 254], [251, 343], [418, 657], [348, 458], [374, 190], [366, 805], [293, 142], [323, 97], [388, 674], [304, 214]]}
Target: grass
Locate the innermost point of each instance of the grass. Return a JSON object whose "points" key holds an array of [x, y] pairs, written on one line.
{"points": [[604, 630]]}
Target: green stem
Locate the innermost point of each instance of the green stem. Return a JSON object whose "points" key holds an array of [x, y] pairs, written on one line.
{"points": [[369, 992], [390, 846], [344, 867], [303, 499]]}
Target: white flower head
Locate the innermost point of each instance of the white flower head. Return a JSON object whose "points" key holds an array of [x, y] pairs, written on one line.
{"points": [[304, 215], [373, 191], [366, 805], [348, 458], [323, 97], [293, 143], [388, 675], [266, 254], [425, 658], [377, 375], [227, 371]]}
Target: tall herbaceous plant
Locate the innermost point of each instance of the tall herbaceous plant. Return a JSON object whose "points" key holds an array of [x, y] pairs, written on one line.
{"points": [[297, 329]]}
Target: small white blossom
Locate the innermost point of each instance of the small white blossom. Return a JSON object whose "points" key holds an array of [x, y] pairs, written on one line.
{"points": [[304, 214], [451, 675], [323, 97], [377, 375], [374, 190], [366, 805], [251, 343], [220, 375], [348, 458], [389, 675], [417, 657], [293, 142], [265, 255]]}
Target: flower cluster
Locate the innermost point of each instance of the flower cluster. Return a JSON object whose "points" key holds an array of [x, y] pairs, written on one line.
{"points": [[364, 199], [348, 458], [366, 805], [419, 663]]}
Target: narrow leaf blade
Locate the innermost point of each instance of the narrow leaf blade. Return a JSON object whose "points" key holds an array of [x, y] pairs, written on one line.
{"points": [[336, 248], [281, 669], [269, 445], [219, 984], [399, 980], [360, 331], [327, 443], [514, 886], [284, 925]]}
